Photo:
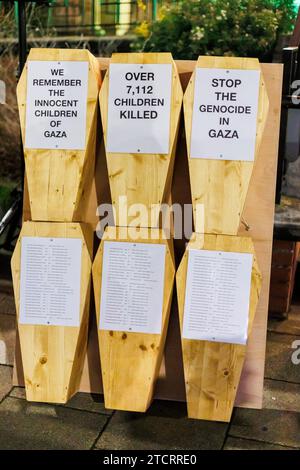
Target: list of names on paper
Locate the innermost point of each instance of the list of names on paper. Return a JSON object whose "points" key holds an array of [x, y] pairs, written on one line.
{"points": [[50, 281], [132, 287], [217, 296]]}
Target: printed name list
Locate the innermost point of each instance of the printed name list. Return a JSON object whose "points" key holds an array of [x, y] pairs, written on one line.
{"points": [[217, 296]]}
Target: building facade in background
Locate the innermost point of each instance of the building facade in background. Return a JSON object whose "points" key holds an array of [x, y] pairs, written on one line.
{"points": [[109, 17]]}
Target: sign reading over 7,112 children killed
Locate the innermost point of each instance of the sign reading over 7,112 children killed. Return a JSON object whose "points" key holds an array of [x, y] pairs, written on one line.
{"points": [[225, 114], [56, 105], [139, 108]]}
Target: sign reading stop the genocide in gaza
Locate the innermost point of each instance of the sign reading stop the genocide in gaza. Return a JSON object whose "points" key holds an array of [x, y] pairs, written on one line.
{"points": [[225, 114], [139, 106], [56, 105]]}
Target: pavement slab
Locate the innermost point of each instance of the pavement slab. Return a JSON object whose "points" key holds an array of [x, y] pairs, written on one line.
{"points": [[18, 392], [279, 395], [7, 303], [164, 426], [271, 426], [279, 363], [290, 326], [5, 381], [80, 401], [25, 425], [89, 402]]}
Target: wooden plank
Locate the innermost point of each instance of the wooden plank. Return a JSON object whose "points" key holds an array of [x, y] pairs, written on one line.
{"points": [[212, 370], [143, 178], [221, 186], [53, 356], [130, 361], [59, 181], [259, 214]]}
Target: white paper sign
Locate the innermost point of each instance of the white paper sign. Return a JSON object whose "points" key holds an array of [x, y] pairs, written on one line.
{"points": [[56, 105], [139, 107], [132, 287], [225, 114], [50, 281], [217, 296]]}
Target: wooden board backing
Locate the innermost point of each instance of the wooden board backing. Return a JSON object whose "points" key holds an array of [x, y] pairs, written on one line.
{"points": [[258, 213]]}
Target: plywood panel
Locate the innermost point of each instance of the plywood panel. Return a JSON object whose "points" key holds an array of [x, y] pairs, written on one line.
{"points": [[258, 213]]}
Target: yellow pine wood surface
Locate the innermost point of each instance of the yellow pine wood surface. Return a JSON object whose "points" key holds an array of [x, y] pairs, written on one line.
{"points": [[258, 212], [212, 370], [130, 362], [53, 356], [59, 181], [143, 178], [221, 186]]}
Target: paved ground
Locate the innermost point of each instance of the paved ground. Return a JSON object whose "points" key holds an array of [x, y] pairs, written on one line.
{"points": [[85, 424]]}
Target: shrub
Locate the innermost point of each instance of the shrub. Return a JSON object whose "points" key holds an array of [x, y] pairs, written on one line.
{"points": [[218, 27]]}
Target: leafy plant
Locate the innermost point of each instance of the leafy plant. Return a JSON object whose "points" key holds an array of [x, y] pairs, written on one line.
{"points": [[218, 27]]}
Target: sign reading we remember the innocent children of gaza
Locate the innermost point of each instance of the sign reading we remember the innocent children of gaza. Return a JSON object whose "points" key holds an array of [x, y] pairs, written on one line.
{"points": [[225, 114], [56, 105], [139, 108]]}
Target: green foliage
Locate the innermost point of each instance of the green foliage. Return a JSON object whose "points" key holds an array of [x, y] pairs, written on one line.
{"points": [[244, 28]]}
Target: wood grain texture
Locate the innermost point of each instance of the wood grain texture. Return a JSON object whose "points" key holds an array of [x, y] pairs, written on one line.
{"points": [[212, 370], [130, 362], [59, 181], [258, 212], [143, 178], [221, 186], [53, 356]]}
